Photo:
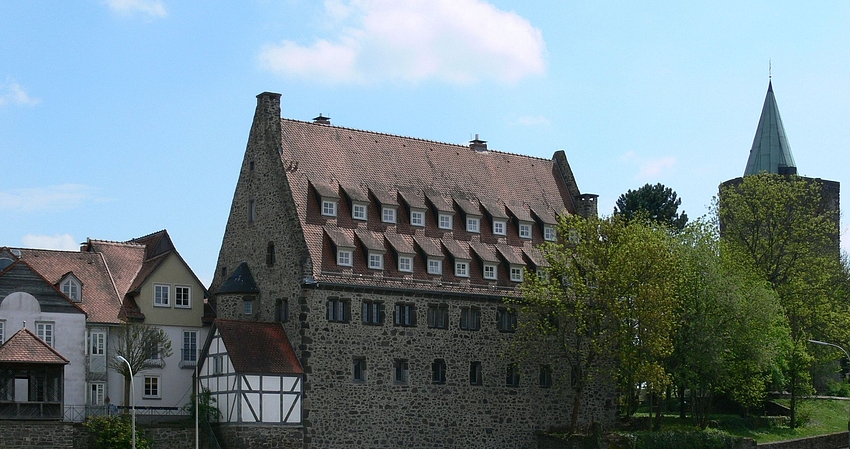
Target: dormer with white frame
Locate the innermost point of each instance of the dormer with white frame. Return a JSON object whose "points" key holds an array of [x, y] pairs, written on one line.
{"points": [[387, 204], [359, 202], [72, 287], [472, 214], [328, 194], [525, 224], [443, 209]]}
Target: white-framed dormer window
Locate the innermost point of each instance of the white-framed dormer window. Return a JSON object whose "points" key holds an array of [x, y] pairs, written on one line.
{"points": [[183, 296], [549, 233], [499, 227], [358, 211], [516, 273], [435, 266], [445, 221], [417, 217], [524, 230], [473, 224], [462, 268], [71, 288], [376, 260], [490, 271], [388, 214], [405, 263], [344, 257], [329, 207], [161, 295]]}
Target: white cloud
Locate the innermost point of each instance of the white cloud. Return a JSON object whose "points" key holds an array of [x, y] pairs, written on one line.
{"points": [[455, 41], [58, 241], [532, 120], [12, 93], [58, 197], [648, 168], [153, 8]]}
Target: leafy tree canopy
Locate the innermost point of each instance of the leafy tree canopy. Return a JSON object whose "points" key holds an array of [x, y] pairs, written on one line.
{"points": [[654, 202]]}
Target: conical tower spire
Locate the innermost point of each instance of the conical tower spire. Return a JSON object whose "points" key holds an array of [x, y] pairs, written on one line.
{"points": [[770, 152]]}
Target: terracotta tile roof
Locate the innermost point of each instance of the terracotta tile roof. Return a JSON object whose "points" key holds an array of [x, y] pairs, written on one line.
{"points": [[428, 245], [485, 252], [325, 189], [519, 211], [26, 347], [339, 237], [494, 209], [412, 197], [401, 243], [439, 202], [124, 261], [510, 254], [371, 240], [356, 193], [534, 254], [467, 206], [544, 215], [457, 249], [385, 196], [257, 347]]}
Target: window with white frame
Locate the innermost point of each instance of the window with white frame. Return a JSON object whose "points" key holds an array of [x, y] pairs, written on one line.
{"points": [[358, 211], [462, 268], [445, 221], [525, 230], [417, 217], [45, 332], [183, 296], [71, 289], [388, 214], [435, 266], [542, 274], [343, 257], [189, 353], [490, 271], [152, 387], [2, 331], [549, 233], [376, 260], [499, 227], [161, 295], [473, 224], [329, 207], [97, 343], [405, 263], [516, 273], [97, 392]]}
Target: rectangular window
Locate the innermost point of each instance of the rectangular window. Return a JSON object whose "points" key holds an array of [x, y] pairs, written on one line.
{"points": [[438, 316], [248, 307], [499, 227], [516, 273], [505, 320], [282, 312], [470, 318], [405, 263], [218, 364], [97, 343], [489, 271], [417, 218], [400, 371], [376, 261], [445, 221], [435, 266], [190, 348], [343, 257], [405, 315], [339, 310], [473, 224], [525, 230], [252, 213], [358, 211], [328, 208], [388, 215], [97, 391], [71, 289], [151, 387], [475, 376], [462, 269], [160, 295], [2, 332], [45, 332], [359, 374], [512, 375], [373, 313], [545, 376], [549, 233], [438, 371], [182, 296]]}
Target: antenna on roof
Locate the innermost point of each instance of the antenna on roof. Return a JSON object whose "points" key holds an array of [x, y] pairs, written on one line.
{"points": [[769, 70]]}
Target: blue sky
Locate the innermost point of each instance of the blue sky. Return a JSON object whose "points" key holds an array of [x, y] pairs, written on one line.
{"points": [[120, 118]]}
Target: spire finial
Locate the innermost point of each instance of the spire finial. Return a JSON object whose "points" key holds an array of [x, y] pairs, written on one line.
{"points": [[769, 70]]}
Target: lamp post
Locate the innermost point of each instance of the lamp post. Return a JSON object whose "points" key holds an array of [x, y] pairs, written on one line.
{"points": [[818, 342], [132, 398]]}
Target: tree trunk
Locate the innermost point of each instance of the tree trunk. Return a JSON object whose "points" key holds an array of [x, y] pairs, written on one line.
{"points": [[127, 385], [574, 417]]}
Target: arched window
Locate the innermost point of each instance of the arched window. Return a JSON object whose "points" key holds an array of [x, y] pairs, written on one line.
{"points": [[71, 288]]}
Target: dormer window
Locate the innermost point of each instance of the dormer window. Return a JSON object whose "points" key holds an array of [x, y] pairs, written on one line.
{"points": [[329, 207], [417, 217], [358, 211], [71, 287], [388, 214], [405, 263], [344, 257], [376, 260], [516, 273], [473, 224], [490, 271], [445, 221], [462, 268], [499, 227], [435, 266], [524, 230], [549, 233]]}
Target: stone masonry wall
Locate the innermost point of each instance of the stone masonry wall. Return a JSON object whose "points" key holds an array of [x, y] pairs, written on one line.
{"points": [[258, 436], [27, 434]]}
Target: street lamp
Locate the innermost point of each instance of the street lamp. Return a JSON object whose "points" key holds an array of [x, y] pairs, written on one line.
{"points": [[818, 342], [132, 398]]}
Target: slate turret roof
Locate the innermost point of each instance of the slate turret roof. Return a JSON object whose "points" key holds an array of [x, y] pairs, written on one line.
{"points": [[770, 151]]}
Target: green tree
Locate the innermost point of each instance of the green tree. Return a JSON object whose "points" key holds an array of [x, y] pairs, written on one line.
{"points": [[654, 202], [139, 344], [115, 432], [785, 229]]}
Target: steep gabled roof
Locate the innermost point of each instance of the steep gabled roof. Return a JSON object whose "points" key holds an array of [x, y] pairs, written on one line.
{"points": [[21, 276], [258, 347], [770, 150], [26, 347]]}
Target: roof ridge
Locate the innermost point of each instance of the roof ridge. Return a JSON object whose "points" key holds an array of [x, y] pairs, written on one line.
{"points": [[418, 139], [117, 243], [147, 236]]}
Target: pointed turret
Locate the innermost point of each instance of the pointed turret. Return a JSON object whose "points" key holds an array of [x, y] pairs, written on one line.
{"points": [[770, 152]]}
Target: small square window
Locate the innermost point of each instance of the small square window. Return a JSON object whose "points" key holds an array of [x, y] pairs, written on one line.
{"points": [[417, 218], [359, 374], [462, 269], [499, 227], [400, 371], [516, 273], [328, 208], [388, 215], [435, 266], [343, 257], [445, 221], [489, 271], [549, 233], [152, 390], [525, 230], [376, 261], [405, 263], [182, 296], [473, 224], [358, 211]]}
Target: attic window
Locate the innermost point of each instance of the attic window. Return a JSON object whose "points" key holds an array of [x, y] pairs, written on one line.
{"points": [[388, 214], [71, 288], [329, 207], [490, 271], [473, 224], [516, 273], [549, 233], [358, 211], [417, 217], [376, 260], [445, 221], [343, 257], [499, 227], [524, 230]]}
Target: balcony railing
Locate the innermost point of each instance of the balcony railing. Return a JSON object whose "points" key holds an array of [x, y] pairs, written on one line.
{"points": [[79, 413], [30, 410], [188, 359]]}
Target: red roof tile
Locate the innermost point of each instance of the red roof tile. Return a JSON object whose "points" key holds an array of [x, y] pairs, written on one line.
{"points": [[258, 347], [26, 347]]}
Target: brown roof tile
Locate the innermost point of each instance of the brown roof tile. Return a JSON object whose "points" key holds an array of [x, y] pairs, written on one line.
{"points": [[412, 197], [401, 243], [356, 193], [339, 237], [257, 347], [438, 201], [373, 241], [486, 252], [543, 215], [387, 197], [466, 205], [428, 245], [534, 254], [26, 347], [457, 249], [510, 254], [325, 189], [494, 209], [519, 211]]}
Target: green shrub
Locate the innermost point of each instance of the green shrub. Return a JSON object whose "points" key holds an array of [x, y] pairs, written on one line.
{"points": [[115, 432], [706, 439], [835, 388]]}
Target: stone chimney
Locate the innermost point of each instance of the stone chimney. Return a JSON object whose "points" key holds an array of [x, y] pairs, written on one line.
{"points": [[478, 145], [320, 120]]}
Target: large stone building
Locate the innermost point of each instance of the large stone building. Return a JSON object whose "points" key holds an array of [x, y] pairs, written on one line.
{"points": [[385, 260]]}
